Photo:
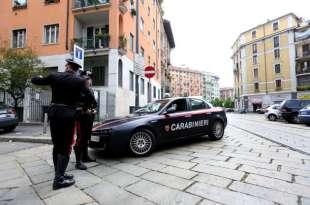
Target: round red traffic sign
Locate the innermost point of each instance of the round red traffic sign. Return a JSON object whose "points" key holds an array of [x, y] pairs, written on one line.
{"points": [[149, 72]]}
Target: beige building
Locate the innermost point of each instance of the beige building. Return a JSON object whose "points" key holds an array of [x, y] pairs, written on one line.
{"points": [[264, 63], [226, 93], [186, 82]]}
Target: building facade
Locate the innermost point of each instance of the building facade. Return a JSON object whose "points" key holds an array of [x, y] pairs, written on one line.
{"points": [[120, 38], [302, 36], [211, 89], [264, 63], [226, 93], [185, 82]]}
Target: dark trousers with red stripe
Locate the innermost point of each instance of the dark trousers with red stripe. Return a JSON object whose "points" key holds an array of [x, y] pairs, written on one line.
{"points": [[84, 128]]}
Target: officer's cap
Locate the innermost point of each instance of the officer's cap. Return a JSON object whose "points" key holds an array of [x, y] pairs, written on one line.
{"points": [[76, 66]]}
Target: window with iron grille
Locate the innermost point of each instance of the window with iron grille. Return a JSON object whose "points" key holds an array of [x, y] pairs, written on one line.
{"points": [[276, 42], [255, 73], [253, 34], [254, 59], [19, 38], [256, 86], [131, 42], [278, 84], [154, 92], [254, 48], [120, 73], [275, 26], [277, 68], [142, 84], [305, 49], [277, 53]]}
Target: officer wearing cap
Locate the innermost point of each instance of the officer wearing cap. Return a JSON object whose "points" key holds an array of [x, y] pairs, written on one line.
{"points": [[84, 126], [66, 94]]}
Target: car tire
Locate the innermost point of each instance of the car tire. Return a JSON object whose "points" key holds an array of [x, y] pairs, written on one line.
{"points": [[217, 130], [142, 143], [295, 119], [10, 129], [308, 124], [272, 117]]}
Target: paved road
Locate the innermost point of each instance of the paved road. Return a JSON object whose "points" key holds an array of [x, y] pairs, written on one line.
{"points": [[244, 168]]}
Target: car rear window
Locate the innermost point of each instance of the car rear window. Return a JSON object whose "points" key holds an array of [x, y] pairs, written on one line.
{"points": [[292, 104]]}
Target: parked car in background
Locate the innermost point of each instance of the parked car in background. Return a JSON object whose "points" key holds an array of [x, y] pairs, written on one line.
{"points": [[304, 115], [242, 111], [8, 119], [229, 110], [289, 109], [262, 110], [273, 113]]}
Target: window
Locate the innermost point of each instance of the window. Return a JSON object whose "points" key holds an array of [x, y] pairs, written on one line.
{"points": [[275, 26], [51, 1], [141, 24], [179, 105], [277, 53], [142, 1], [278, 84], [142, 86], [131, 79], [254, 48], [154, 24], [142, 51], [276, 42], [154, 92], [154, 45], [277, 68], [255, 73], [256, 86], [98, 76], [198, 104], [253, 34], [148, 11], [19, 38], [120, 73], [158, 93], [19, 3], [51, 34], [131, 41], [305, 49], [254, 59], [149, 33]]}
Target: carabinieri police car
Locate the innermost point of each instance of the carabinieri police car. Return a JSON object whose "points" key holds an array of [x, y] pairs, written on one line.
{"points": [[159, 122]]}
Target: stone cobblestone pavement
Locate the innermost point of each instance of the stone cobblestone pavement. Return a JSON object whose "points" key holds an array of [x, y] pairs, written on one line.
{"points": [[243, 168]]}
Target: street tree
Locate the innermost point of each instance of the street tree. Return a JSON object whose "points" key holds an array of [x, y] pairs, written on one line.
{"points": [[17, 67]]}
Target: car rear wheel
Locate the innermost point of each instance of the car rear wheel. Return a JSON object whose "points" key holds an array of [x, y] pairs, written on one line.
{"points": [[272, 117], [142, 143], [217, 131], [10, 129]]}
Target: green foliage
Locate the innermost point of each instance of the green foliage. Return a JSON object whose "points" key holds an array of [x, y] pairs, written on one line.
{"points": [[17, 67], [227, 103], [303, 88]]}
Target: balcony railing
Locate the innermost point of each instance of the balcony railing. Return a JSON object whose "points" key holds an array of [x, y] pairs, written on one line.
{"points": [[300, 71], [88, 3], [92, 43], [305, 53]]}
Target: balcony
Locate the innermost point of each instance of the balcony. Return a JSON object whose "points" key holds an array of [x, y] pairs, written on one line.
{"points": [[303, 71], [81, 4], [304, 56], [97, 44]]}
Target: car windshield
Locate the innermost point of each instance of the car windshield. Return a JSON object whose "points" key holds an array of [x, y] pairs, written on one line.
{"points": [[153, 107]]}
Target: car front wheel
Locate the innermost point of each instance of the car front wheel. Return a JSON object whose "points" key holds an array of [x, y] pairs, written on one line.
{"points": [[217, 130], [272, 117], [142, 143]]}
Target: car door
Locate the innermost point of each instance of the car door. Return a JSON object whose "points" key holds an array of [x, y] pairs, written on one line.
{"points": [[173, 125], [200, 116]]}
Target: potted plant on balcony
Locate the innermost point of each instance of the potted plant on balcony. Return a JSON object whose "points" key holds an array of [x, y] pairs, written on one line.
{"points": [[122, 44]]}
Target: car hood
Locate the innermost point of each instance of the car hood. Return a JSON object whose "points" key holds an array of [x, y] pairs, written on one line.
{"points": [[110, 123]]}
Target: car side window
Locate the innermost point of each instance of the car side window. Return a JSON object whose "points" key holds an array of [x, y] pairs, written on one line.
{"points": [[198, 104], [179, 105]]}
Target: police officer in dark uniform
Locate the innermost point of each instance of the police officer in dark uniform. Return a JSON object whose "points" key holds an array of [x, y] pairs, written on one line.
{"points": [[84, 126], [66, 93]]}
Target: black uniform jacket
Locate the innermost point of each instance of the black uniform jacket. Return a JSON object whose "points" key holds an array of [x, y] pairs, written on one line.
{"points": [[67, 90]]}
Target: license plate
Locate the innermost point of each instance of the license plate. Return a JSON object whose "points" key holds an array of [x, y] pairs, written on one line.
{"points": [[95, 138]]}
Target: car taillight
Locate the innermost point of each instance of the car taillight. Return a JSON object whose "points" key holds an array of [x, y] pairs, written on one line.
{"points": [[11, 111]]}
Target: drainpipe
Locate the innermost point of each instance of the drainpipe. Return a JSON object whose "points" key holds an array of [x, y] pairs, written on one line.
{"points": [[137, 27], [67, 26], [265, 60]]}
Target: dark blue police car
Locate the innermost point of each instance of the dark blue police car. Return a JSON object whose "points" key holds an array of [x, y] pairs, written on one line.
{"points": [[159, 122]]}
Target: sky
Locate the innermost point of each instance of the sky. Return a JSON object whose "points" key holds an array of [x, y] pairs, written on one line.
{"points": [[205, 30]]}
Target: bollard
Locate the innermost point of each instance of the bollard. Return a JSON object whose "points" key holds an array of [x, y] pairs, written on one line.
{"points": [[45, 123]]}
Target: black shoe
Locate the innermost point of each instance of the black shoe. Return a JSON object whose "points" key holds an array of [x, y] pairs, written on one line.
{"points": [[80, 165], [88, 159], [62, 183], [68, 176]]}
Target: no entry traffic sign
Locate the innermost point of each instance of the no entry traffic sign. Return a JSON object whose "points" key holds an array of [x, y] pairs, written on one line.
{"points": [[149, 72]]}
